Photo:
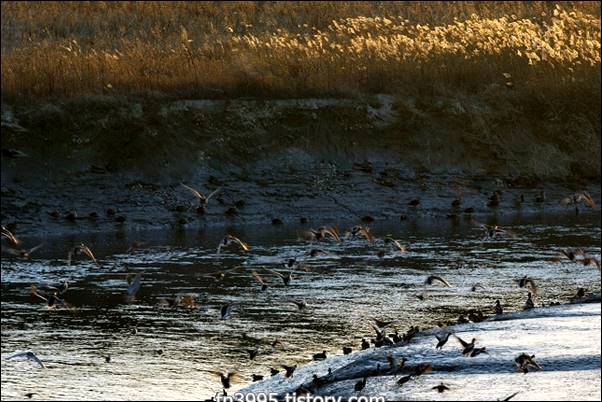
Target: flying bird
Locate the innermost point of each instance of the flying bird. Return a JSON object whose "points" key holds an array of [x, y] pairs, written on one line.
{"points": [[81, 249], [432, 278], [226, 378], [10, 236], [229, 239], [29, 355], [441, 388], [467, 347], [260, 280], [203, 201]]}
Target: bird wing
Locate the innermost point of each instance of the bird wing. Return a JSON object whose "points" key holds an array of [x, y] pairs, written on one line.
{"points": [[275, 273], [134, 285], [442, 336], [462, 342], [196, 193], [587, 198], [366, 233], [510, 396], [15, 355], [213, 193], [86, 250], [35, 358], [242, 244], [257, 277], [400, 246], [34, 291], [440, 279], [333, 232], [10, 236], [31, 250]]}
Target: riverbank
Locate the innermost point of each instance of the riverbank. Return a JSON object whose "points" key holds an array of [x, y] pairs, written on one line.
{"points": [[564, 339], [107, 165]]}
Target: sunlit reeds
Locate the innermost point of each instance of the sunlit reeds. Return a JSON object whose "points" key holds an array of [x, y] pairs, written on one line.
{"points": [[154, 53]]}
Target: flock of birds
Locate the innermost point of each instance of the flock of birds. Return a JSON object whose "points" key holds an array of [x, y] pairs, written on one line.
{"points": [[53, 296]]}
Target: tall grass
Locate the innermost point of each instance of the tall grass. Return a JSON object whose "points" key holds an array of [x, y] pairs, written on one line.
{"points": [[283, 49]]}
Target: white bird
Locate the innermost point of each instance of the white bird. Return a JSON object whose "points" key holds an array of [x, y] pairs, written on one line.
{"points": [[29, 355]]}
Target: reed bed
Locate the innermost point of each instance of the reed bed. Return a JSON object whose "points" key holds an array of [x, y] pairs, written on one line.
{"points": [[296, 49]]}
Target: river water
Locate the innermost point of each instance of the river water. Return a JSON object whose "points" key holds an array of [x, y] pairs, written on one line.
{"points": [[161, 352]]}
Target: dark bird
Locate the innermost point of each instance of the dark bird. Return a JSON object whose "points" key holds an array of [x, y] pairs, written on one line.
{"points": [[442, 339], [524, 361], [441, 388], [494, 200], [257, 377], [414, 202], [253, 353], [319, 356], [404, 379], [226, 378], [273, 372], [365, 344], [226, 309], [30, 394], [289, 370], [359, 386], [498, 308], [432, 278], [456, 203], [467, 347], [541, 197], [477, 286], [229, 239], [347, 350], [107, 359], [529, 303]]}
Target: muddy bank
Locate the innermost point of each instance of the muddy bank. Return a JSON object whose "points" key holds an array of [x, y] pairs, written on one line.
{"points": [[568, 353], [118, 163]]}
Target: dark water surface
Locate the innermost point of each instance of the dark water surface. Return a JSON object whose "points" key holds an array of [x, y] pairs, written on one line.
{"points": [[343, 291]]}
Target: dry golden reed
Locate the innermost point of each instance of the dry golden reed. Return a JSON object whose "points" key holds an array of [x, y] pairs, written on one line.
{"points": [[65, 49]]}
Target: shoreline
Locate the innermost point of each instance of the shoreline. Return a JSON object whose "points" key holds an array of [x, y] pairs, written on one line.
{"points": [[447, 365]]}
